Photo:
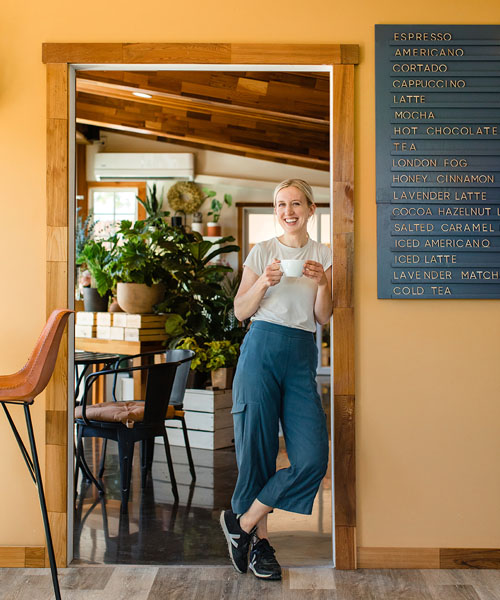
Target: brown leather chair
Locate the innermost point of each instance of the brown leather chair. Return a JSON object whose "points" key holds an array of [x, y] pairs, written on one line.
{"points": [[22, 388]]}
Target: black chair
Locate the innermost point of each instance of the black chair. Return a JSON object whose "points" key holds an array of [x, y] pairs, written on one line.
{"points": [[176, 402], [129, 422]]}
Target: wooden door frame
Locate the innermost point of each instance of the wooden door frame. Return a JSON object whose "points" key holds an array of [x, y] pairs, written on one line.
{"points": [[342, 58]]}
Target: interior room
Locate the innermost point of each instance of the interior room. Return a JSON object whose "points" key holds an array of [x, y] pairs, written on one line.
{"points": [[229, 135]]}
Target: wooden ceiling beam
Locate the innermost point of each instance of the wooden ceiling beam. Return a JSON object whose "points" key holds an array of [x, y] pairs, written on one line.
{"points": [[178, 102], [253, 152]]}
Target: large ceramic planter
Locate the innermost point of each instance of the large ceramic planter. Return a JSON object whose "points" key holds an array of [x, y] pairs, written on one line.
{"points": [[139, 298], [93, 301]]}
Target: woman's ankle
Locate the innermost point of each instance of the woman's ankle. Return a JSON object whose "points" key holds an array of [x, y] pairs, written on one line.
{"points": [[244, 524]]}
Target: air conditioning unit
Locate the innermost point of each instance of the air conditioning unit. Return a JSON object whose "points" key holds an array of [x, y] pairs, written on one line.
{"points": [[129, 166]]}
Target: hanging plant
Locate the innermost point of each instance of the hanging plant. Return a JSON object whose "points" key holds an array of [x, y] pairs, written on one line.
{"points": [[185, 197]]}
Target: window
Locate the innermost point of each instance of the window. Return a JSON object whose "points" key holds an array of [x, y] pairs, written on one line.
{"points": [[259, 224], [111, 205]]}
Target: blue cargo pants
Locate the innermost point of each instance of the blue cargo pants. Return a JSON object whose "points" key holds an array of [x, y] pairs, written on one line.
{"points": [[276, 381]]}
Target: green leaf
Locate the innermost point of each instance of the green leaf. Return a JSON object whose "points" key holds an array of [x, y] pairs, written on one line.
{"points": [[199, 249], [222, 250], [174, 325]]}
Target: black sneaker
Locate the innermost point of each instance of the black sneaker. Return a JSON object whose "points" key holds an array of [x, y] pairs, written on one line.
{"points": [[238, 540], [263, 563]]}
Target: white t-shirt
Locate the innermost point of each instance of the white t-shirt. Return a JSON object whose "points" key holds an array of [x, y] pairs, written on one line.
{"points": [[291, 301]]}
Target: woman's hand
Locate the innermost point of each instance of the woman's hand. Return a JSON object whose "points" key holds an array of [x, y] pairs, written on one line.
{"points": [[272, 274], [314, 270]]}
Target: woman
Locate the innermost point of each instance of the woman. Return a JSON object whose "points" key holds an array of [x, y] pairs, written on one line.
{"points": [[276, 381]]}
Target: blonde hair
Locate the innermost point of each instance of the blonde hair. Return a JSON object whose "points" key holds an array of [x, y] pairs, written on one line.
{"points": [[300, 184]]}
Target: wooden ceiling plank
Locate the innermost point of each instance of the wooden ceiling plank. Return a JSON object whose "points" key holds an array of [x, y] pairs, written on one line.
{"points": [[166, 99]]}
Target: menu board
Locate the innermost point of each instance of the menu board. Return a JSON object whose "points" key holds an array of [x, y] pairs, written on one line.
{"points": [[438, 161]]}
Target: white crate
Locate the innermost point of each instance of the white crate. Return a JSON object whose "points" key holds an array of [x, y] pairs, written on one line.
{"points": [[203, 421], [104, 318], [85, 331], [85, 318], [207, 400], [209, 440]]}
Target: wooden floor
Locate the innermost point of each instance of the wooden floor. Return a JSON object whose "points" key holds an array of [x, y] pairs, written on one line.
{"points": [[217, 583]]}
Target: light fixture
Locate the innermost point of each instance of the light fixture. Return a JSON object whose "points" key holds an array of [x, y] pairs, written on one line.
{"points": [[142, 95]]}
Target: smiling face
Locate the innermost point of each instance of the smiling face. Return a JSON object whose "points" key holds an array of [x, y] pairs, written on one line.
{"points": [[292, 209]]}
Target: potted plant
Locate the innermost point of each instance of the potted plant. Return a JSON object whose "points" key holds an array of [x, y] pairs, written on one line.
{"points": [[216, 206], [96, 257], [137, 264], [222, 357], [197, 305], [217, 357], [153, 204]]}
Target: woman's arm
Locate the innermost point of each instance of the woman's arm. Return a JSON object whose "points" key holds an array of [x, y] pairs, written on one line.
{"points": [[323, 304], [253, 288]]}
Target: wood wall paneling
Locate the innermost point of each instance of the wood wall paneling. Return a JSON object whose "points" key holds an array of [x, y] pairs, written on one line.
{"points": [[57, 172], [469, 558], [57, 297], [57, 244], [35, 557], [343, 267], [82, 53], [345, 548], [22, 556], [343, 214], [57, 91], [398, 558], [177, 53], [343, 312], [158, 53], [343, 124], [343, 365], [345, 466]]}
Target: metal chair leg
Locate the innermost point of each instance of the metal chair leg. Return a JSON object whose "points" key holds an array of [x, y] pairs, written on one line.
{"points": [[126, 456], [173, 482], [147, 452], [43, 505], [81, 461], [103, 458], [188, 449]]}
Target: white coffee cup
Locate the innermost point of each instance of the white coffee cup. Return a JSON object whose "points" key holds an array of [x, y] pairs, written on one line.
{"points": [[292, 268]]}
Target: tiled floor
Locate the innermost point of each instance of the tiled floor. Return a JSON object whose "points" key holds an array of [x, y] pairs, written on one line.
{"points": [[157, 531], [217, 583]]}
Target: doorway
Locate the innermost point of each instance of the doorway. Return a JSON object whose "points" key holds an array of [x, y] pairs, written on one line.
{"points": [[62, 63]]}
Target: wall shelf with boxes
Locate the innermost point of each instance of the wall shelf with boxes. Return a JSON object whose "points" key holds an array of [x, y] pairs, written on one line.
{"points": [[120, 326]]}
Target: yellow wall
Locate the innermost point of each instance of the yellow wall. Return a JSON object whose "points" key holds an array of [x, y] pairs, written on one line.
{"points": [[428, 409]]}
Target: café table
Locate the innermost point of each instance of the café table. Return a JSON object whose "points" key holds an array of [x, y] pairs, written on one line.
{"points": [[122, 348]]}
